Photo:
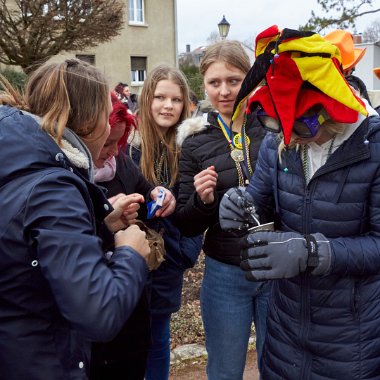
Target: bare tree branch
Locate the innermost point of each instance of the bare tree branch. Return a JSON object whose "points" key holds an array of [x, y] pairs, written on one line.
{"points": [[347, 12], [372, 32], [32, 31]]}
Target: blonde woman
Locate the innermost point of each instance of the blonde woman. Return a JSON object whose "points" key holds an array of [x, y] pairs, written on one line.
{"points": [[57, 293], [213, 160], [164, 104]]}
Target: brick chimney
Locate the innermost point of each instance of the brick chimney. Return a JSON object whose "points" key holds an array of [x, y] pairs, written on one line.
{"points": [[188, 48], [357, 38]]}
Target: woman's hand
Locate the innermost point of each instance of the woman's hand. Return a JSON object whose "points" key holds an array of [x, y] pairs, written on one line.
{"points": [[135, 238], [125, 211], [168, 204], [205, 184]]}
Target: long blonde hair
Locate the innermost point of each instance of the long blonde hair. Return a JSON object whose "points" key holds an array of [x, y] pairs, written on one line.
{"points": [[152, 138], [71, 94]]}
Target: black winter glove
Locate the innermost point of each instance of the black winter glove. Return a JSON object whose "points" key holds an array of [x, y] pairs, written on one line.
{"points": [[276, 255], [237, 210]]}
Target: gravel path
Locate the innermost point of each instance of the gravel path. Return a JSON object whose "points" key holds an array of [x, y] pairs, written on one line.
{"points": [[196, 369]]}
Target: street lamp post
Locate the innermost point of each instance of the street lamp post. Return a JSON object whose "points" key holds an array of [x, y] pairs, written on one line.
{"points": [[224, 28]]}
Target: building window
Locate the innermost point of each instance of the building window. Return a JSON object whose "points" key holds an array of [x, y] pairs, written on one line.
{"points": [[136, 11], [89, 58], [138, 70]]}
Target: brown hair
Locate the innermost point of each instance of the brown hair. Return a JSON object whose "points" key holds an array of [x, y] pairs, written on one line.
{"points": [[152, 137], [228, 51], [70, 94]]}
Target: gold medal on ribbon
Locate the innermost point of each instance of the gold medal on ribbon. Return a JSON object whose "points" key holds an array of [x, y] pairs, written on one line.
{"points": [[238, 141], [237, 155]]}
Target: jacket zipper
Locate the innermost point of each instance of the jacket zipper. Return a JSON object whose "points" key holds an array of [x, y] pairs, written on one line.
{"points": [[305, 292]]}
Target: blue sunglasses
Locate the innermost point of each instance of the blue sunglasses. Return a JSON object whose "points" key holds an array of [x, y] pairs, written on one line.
{"points": [[304, 126]]}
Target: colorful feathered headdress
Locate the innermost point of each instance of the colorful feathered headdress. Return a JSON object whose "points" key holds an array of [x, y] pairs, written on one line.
{"points": [[296, 70]]}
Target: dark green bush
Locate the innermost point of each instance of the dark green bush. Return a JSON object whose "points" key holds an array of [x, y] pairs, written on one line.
{"points": [[16, 78], [194, 79]]}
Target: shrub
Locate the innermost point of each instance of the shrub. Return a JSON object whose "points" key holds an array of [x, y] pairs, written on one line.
{"points": [[16, 78], [194, 79]]}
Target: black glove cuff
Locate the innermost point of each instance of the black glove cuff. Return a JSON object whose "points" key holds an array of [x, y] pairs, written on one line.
{"points": [[312, 250]]}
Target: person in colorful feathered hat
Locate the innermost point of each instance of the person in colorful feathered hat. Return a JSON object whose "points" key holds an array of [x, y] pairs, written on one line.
{"points": [[318, 178]]}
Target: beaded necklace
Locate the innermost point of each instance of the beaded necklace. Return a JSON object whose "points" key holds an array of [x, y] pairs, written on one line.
{"points": [[161, 170], [306, 161], [239, 145]]}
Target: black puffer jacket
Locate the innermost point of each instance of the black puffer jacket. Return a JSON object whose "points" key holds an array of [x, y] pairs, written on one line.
{"points": [[203, 144], [127, 353], [326, 327], [181, 253]]}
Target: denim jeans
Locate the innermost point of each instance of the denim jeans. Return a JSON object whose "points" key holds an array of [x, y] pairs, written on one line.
{"points": [[229, 305], [158, 363]]}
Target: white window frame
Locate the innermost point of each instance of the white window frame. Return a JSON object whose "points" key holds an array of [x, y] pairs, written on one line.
{"points": [[138, 75], [133, 16]]}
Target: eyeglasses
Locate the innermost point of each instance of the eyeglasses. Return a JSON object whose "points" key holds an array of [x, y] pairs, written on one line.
{"points": [[304, 126]]}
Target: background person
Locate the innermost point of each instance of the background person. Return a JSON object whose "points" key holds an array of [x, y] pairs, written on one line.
{"points": [[194, 104], [350, 57], [376, 94], [125, 356], [163, 105], [57, 292], [124, 94], [211, 162]]}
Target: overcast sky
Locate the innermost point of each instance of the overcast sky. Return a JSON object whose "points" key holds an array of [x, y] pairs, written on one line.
{"points": [[197, 19]]}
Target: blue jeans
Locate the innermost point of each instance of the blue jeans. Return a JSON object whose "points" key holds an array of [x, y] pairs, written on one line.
{"points": [[158, 363], [229, 305]]}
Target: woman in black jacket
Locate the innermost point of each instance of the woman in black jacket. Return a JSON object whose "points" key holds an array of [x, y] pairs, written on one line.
{"points": [[126, 355], [212, 160]]}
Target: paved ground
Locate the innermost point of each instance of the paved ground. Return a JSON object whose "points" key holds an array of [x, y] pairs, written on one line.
{"points": [[195, 369]]}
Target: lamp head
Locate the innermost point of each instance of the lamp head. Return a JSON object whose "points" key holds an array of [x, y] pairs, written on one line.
{"points": [[224, 28]]}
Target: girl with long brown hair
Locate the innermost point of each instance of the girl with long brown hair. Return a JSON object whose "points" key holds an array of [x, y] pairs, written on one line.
{"points": [[164, 104]]}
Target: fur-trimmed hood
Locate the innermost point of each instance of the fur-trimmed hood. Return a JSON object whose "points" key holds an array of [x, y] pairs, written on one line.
{"points": [[190, 127]]}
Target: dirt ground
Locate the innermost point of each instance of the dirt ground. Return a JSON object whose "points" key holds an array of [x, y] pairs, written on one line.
{"points": [[186, 328], [196, 369], [186, 325]]}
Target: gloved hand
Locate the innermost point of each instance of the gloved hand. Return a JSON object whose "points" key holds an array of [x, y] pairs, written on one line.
{"points": [[276, 255], [237, 210]]}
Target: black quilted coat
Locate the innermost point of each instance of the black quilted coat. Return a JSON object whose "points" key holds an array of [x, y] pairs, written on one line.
{"points": [[326, 327], [205, 145]]}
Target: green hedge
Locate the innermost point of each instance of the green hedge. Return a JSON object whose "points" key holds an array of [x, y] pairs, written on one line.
{"points": [[16, 78], [194, 79]]}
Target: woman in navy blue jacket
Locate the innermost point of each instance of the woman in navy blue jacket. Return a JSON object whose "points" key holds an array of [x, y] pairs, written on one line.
{"points": [[319, 179], [57, 292]]}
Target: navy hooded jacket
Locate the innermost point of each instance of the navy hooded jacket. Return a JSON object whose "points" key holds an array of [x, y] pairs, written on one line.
{"points": [[56, 291], [325, 327]]}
